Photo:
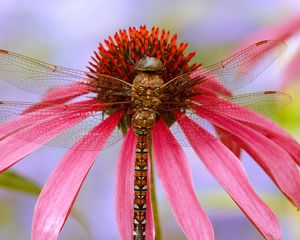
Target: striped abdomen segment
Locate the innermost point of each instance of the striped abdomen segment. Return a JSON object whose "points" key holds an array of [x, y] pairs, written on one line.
{"points": [[140, 187]]}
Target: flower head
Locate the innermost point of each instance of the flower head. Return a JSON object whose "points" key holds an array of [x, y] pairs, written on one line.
{"points": [[123, 51], [142, 83]]}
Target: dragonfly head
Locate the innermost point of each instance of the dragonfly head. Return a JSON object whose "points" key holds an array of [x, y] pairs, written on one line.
{"points": [[148, 64]]}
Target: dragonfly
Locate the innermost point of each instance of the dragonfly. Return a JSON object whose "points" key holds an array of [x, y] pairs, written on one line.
{"points": [[143, 101]]}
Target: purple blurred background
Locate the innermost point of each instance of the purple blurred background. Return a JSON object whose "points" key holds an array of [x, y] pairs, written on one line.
{"points": [[66, 33]]}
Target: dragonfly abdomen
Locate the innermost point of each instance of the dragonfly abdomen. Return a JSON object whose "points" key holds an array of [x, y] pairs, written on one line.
{"points": [[140, 187], [142, 121]]}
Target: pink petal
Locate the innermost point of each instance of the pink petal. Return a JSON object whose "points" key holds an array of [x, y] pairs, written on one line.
{"points": [[229, 172], [174, 173], [124, 186], [19, 123], [30, 119], [66, 93], [61, 94], [253, 119], [286, 143], [273, 159], [21, 143], [59, 193]]}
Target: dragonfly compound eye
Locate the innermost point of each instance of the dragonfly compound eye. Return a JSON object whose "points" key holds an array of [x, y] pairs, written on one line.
{"points": [[146, 63]]}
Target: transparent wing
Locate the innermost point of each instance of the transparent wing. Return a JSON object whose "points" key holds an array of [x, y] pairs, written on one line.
{"points": [[13, 109], [71, 136], [72, 120], [263, 102], [37, 76], [235, 71]]}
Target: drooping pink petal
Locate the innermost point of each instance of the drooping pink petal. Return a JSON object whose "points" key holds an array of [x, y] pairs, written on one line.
{"points": [[58, 194], [29, 119], [174, 173], [276, 162], [61, 94], [244, 114], [22, 142], [286, 143], [228, 171], [66, 93], [292, 70], [260, 123], [124, 186], [18, 123]]}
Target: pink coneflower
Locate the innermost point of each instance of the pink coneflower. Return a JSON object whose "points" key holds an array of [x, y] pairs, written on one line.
{"points": [[142, 84]]}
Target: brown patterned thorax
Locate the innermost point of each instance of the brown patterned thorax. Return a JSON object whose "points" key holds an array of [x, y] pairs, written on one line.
{"points": [[145, 98]]}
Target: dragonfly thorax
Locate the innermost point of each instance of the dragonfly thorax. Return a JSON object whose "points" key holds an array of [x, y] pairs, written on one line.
{"points": [[145, 98]]}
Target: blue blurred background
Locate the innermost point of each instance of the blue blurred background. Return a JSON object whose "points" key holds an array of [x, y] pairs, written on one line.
{"points": [[66, 32]]}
